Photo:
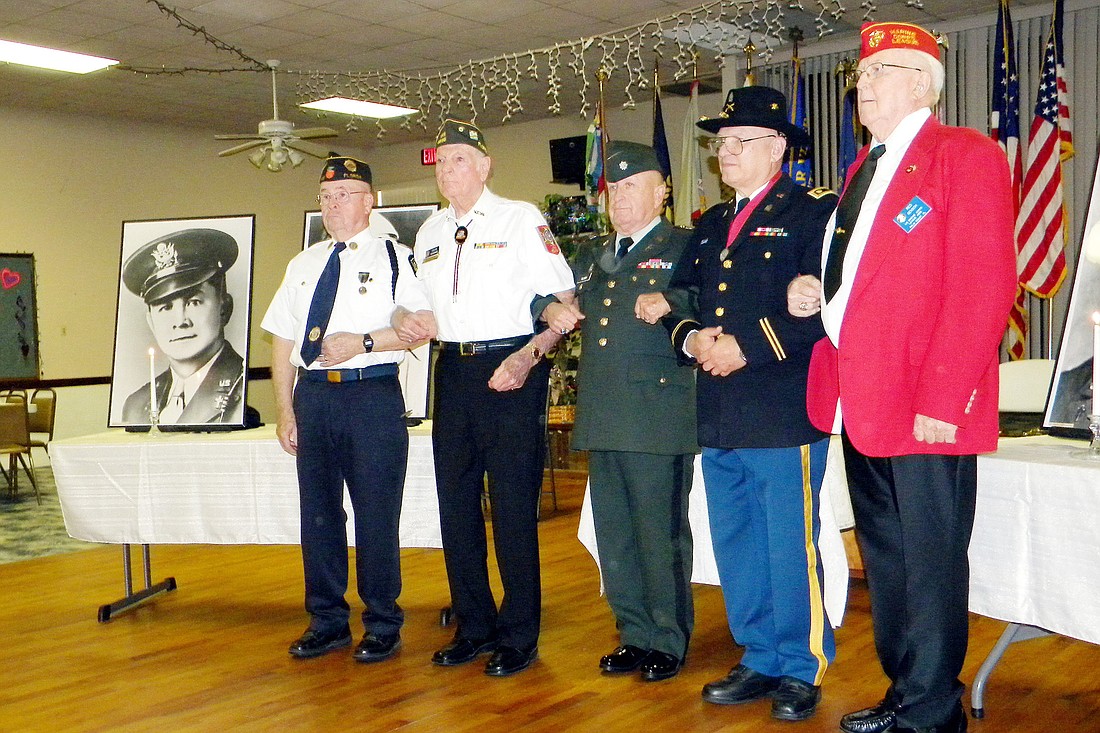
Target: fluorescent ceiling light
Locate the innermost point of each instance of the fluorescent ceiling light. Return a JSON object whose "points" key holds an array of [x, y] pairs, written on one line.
{"points": [[48, 58], [345, 106]]}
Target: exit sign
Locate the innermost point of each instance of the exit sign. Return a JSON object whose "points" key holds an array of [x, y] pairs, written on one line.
{"points": [[427, 156]]}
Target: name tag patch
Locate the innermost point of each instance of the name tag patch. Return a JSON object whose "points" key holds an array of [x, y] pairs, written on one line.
{"points": [[656, 263], [431, 254], [490, 245], [913, 213], [768, 232]]}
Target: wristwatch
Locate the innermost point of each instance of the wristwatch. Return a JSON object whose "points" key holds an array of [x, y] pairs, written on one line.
{"points": [[368, 343]]}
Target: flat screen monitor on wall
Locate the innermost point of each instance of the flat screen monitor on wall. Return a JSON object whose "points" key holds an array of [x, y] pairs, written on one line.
{"points": [[567, 160]]}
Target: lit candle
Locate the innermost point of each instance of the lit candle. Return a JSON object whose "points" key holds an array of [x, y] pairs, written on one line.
{"points": [[1096, 363], [152, 382]]}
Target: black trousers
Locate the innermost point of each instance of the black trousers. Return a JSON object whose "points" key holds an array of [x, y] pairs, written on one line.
{"points": [[914, 516], [476, 431], [352, 432]]}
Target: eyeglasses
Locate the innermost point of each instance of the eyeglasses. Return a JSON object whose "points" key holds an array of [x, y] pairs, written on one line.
{"points": [[874, 71], [336, 197], [732, 144]]}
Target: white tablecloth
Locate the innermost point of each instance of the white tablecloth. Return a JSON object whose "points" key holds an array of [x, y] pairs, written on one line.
{"points": [[236, 487], [835, 511], [1035, 553]]}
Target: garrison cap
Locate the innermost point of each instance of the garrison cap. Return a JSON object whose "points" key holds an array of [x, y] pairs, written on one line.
{"points": [[875, 37], [457, 132], [625, 159], [178, 262], [343, 168], [757, 107]]}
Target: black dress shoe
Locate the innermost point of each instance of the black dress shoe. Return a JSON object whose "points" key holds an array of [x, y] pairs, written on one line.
{"points": [[660, 666], [625, 658], [740, 685], [376, 647], [462, 650], [507, 660], [795, 699], [878, 719], [315, 643]]}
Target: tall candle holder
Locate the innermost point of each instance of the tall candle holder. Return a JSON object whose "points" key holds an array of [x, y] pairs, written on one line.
{"points": [[1092, 453]]}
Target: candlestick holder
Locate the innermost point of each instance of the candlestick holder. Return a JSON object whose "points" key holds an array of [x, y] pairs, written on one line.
{"points": [[154, 424], [1092, 453]]}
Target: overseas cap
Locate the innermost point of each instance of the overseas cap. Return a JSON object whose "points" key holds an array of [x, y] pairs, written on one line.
{"points": [[343, 168], [625, 159], [457, 132], [875, 37]]}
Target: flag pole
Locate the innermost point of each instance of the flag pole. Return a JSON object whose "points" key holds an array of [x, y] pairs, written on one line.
{"points": [[601, 77], [794, 33]]}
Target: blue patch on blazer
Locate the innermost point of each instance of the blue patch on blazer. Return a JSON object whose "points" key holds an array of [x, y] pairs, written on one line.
{"points": [[912, 214]]}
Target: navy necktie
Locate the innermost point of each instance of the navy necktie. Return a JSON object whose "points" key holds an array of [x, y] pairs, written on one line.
{"points": [[624, 246], [320, 309], [741, 204], [846, 214]]}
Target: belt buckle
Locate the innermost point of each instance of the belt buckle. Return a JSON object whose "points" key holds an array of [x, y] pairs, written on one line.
{"points": [[334, 376], [465, 348]]}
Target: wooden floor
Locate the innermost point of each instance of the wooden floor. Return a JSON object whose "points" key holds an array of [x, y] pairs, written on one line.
{"points": [[211, 656]]}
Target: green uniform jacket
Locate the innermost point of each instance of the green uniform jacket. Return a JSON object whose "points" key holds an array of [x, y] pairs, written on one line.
{"points": [[632, 394]]}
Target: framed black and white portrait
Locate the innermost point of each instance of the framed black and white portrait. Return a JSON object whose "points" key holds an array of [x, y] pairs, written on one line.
{"points": [[1071, 394], [182, 323]]}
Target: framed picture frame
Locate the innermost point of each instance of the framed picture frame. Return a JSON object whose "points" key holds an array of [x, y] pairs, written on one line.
{"points": [[19, 316], [182, 324], [403, 222], [1070, 402]]}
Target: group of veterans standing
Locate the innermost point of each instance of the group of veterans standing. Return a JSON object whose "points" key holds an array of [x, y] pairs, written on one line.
{"points": [[787, 314]]}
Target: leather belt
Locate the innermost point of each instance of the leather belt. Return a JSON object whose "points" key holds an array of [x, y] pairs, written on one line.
{"points": [[474, 348], [336, 376]]}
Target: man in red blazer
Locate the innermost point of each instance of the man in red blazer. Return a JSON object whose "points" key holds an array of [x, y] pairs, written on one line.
{"points": [[918, 276]]}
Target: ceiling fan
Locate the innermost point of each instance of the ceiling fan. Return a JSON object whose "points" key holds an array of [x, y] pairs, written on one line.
{"points": [[278, 141]]}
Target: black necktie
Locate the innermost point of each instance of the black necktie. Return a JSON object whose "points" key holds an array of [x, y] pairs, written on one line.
{"points": [[624, 245], [320, 309], [741, 204], [846, 214]]}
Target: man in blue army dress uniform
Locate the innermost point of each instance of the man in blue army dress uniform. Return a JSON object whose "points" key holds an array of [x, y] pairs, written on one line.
{"points": [[636, 417], [181, 278], [763, 462]]}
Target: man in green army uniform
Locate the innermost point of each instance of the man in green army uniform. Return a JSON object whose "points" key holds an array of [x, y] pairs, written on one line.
{"points": [[636, 417]]}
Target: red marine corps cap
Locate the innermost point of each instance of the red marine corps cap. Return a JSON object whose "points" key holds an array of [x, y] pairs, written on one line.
{"points": [[881, 36]]}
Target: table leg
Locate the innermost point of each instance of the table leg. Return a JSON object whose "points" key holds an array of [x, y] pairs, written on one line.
{"points": [[1014, 633], [131, 599]]}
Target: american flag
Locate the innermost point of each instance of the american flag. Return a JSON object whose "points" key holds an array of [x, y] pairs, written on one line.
{"points": [[1004, 127], [1041, 224]]}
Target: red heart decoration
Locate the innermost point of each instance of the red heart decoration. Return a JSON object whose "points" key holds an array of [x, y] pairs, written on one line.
{"points": [[10, 279]]}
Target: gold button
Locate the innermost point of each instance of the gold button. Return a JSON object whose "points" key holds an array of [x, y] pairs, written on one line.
{"points": [[652, 281], [354, 245], [719, 312], [610, 283], [603, 321], [607, 301], [634, 278], [663, 380], [603, 342], [727, 264], [767, 255], [722, 287]]}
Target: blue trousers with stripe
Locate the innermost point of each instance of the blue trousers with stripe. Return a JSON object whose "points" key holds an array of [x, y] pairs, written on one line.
{"points": [[763, 505]]}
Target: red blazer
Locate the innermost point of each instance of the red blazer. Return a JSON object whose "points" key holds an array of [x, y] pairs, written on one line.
{"points": [[928, 308]]}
